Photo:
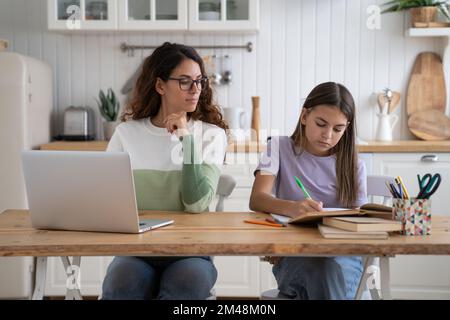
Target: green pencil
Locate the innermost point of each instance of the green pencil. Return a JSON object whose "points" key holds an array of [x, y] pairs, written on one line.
{"points": [[300, 184]]}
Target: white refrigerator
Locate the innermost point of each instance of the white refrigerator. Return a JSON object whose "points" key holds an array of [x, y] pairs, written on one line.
{"points": [[26, 103]]}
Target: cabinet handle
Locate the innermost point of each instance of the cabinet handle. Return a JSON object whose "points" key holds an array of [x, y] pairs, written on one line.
{"points": [[429, 158]]}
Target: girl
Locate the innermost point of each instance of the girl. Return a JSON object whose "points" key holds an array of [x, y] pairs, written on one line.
{"points": [[322, 153], [176, 139]]}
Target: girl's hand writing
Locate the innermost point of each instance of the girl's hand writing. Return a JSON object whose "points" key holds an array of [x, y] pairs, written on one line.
{"points": [[304, 206]]}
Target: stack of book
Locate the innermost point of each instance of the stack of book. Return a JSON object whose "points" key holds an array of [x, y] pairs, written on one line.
{"points": [[358, 227]]}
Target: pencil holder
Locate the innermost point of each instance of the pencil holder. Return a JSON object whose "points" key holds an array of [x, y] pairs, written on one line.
{"points": [[415, 215]]}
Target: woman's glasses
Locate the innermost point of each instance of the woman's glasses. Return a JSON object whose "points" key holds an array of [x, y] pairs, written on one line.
{"points": [[186, 83]]}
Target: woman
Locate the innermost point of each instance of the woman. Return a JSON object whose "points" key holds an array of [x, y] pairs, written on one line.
{"points": [[176, 139]]}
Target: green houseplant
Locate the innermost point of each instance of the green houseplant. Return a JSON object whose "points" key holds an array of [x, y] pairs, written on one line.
{"points": [[109, 109], [421, 10]]}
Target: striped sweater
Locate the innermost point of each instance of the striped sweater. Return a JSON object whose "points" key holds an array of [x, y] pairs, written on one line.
{"points": [[170, 174]]}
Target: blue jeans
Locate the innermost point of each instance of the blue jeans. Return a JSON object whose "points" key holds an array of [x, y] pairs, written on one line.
{"points": [[318, 278], [165, 278]]}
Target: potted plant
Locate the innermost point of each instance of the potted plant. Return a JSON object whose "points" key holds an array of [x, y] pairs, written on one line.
{"points": [[109, 109], [422, 11]]}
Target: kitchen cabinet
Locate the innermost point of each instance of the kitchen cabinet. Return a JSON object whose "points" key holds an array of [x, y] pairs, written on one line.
{"points": [[224, 15], [153, 15], [80, 15], [419, 277]]}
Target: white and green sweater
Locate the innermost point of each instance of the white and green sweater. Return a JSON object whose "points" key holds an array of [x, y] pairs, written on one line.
{"points": [[170, 174]]}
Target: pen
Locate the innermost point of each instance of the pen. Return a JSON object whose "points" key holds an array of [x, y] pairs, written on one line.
{"points": [[391, 189], [405, 192], [300, 184], [395, 191], [264, 223]]}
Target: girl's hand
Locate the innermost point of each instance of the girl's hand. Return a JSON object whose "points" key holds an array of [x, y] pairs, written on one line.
{"points": [[177, 123], [304, 206]]}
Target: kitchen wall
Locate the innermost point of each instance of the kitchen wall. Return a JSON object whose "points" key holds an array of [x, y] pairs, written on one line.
{"points": [[300, 44]]}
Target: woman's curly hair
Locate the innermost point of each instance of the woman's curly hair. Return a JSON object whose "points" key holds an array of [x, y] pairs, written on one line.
{"points": [[146, 101]]}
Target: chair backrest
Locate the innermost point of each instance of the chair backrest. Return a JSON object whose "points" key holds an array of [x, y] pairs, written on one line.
{"points": [[224, 188], [376, 186]]}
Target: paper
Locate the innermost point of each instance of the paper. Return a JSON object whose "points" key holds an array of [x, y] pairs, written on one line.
{"points": [[280, 218], [285, 219]]}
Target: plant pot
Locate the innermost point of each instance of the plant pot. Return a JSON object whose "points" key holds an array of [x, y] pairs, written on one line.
{"points": [[423, 14], [108, 129]]}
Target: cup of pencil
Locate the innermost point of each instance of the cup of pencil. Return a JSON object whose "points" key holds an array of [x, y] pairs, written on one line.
{"points": [[415, 215], [413, 212]]}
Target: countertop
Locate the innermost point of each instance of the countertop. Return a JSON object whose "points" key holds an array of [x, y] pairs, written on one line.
{"points": [[372, 146]]}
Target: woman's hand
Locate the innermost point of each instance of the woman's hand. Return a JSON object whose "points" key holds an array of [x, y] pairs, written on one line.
{"points": [[304, 206], [177, 123]]}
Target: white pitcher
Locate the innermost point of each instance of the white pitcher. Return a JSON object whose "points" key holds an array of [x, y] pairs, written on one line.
{"points": [[386, 123], [235, 117]]}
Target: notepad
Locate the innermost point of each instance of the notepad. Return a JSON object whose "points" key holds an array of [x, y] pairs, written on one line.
{"points": [[370, 209], [336, 233], [360, 224]]}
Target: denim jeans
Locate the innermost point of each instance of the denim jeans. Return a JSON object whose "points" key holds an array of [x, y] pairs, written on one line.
{"points": [[318, 278], [165, 278]]}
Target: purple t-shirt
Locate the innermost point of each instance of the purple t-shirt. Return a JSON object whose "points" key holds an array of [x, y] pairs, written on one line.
{"points": [[318, 174]]}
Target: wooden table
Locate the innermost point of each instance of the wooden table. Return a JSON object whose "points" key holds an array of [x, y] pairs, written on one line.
{"points": [[372, 146], [213, 233]]}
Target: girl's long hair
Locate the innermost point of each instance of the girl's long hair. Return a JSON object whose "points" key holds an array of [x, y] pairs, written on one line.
{"points": [[335, 94], [146, 101]]}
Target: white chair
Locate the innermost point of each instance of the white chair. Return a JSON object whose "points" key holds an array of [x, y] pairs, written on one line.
{"points": [[224, 189], [376, 187]]}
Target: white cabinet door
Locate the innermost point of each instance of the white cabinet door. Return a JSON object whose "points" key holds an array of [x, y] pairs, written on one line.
{"points": [[148, 15], [224, 15], [419, 277], [82, 15], [237, 276]]}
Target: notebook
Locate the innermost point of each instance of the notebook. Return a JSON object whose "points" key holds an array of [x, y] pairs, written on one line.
{"points": [[335, 233], [370, 209], [360, 224]]}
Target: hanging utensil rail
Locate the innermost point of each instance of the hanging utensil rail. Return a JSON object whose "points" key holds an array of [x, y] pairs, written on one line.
{"points": [[124, 47]]}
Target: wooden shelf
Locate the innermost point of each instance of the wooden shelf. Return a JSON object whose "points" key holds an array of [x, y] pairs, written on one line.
{"points": [[428, 32]]}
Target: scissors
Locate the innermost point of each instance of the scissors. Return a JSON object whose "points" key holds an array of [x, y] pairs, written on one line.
{"points": [[428, 185]]}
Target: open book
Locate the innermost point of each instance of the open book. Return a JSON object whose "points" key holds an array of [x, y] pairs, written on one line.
{"points": [[370, 209]]}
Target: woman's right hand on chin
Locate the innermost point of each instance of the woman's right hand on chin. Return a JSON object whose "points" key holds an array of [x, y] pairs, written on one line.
{"points": [[304, 206]]}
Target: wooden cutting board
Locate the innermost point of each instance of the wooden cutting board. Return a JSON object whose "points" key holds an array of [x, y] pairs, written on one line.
{"points": [[426, 89], [430, 125]]}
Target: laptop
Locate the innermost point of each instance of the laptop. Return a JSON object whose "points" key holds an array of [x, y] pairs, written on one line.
{"points": [[83, 191]]}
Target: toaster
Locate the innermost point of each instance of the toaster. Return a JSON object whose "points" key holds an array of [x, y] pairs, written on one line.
{"points": [[78, 124]]}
